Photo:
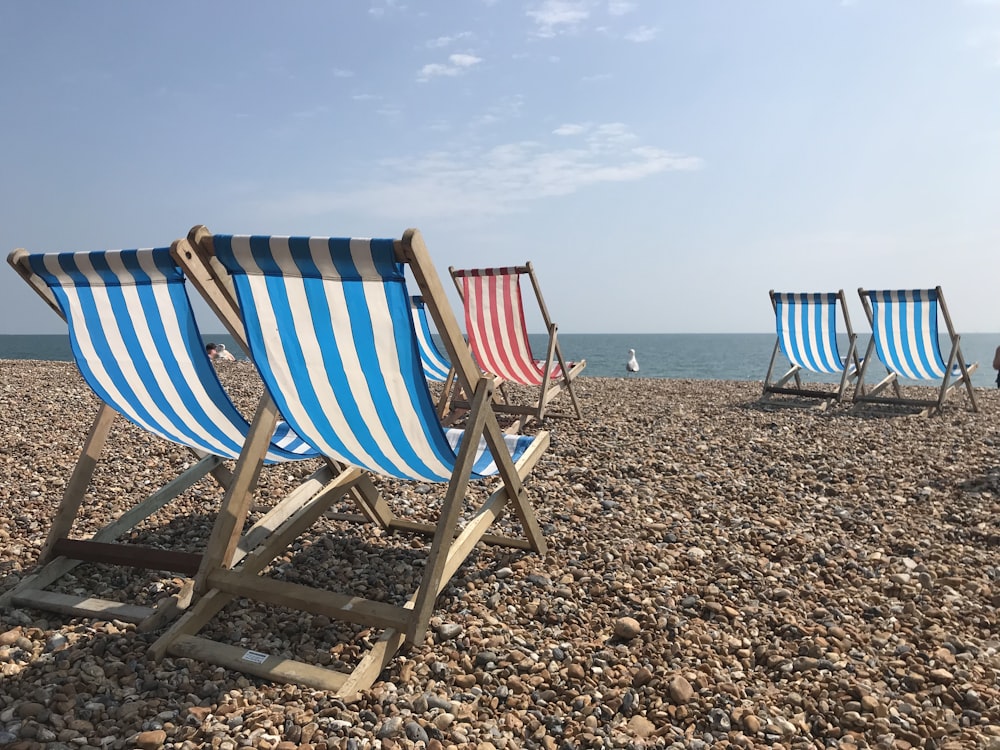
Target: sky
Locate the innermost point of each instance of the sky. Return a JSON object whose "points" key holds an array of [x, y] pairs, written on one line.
{"points": [[663, 164]]}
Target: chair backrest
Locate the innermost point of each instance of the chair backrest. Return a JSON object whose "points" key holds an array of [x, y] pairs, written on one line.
{"points": [[136, 342], [905, 330], [806, 324], [329, 328], [495, 323], [435, 364]]}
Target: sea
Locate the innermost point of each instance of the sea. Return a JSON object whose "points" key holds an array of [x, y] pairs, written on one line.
{"points": [[696, 356]]}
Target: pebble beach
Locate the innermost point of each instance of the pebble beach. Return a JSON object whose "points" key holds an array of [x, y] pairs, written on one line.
{"points": [[718, 575]]}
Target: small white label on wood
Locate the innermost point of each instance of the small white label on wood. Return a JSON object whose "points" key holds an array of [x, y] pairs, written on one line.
{"points": [[255, 656]]}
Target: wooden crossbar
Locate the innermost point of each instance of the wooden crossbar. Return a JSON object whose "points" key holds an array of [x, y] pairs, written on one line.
{"points": [[129, 555]]}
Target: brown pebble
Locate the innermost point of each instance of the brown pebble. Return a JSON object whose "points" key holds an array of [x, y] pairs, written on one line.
{"points": [[641, 677], [151, 740], [199, 712], [680, 690], [640, 726], [627, 628], [465, 681]]}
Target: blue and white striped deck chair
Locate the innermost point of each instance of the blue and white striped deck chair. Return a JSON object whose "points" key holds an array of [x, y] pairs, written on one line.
{"points": [[905, 337], [806, 325], [136, 343], [330, 330]]}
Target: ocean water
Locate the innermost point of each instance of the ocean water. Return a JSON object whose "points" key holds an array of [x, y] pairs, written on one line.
{"points": [[698, 356]]}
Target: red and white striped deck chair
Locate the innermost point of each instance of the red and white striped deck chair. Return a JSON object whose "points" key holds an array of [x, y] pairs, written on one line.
{"points": [[498, 336]]}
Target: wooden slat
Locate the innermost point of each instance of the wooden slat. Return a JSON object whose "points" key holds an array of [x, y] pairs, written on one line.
{"points": [[129, 555], [308, 599], [81, 606], [275, 668]]}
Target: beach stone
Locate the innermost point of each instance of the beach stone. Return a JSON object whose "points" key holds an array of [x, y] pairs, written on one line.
{"points": [[640, 726], [941, 676], [56, 642], [30, 710], [448, 631], [415, 732], [751, 724], [627, 628], [465, 681], [680, 690], [642, 676], [151, 740], [391, 727]]}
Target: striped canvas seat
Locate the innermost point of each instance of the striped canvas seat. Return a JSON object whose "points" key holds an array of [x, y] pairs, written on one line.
{"points": [[498, 334], [906, 340], [806, 326], [436, 365], [329, 326], [136, 343]]}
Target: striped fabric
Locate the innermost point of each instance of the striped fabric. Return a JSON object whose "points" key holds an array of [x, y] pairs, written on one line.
{"points": [[494, 322], [807, 330], [137, 345], [329, 327], [905, 329], [436, 367]]}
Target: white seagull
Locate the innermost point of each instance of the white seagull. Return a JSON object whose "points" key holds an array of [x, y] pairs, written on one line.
{"points": [[632, 365]]}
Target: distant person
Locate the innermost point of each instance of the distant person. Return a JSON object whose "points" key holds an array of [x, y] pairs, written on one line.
{"points": [[212, 350], [633, 364], [221, 352], [996, 364]]}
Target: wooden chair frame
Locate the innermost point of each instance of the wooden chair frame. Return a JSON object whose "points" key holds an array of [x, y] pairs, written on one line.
{"points": [[450, 544]]}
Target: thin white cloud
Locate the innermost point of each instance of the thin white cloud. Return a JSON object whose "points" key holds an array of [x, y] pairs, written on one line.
{"points": [[569, 129], [504, 110], [456, 65], [620, 7], [642, 34], [380, 9], [464, 61], [366, 97], [495, 180], [553, 17], [342, 73], [446, 41]]}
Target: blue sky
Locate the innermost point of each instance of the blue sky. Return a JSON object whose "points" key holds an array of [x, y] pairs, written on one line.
{"points": [[663, 164]]}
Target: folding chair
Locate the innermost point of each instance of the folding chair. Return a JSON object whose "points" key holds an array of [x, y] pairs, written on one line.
{"points": [[905, 338], [498, 335], [136, 344], [330, 330], [806, 325]]}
